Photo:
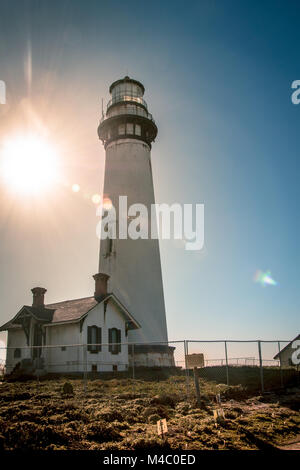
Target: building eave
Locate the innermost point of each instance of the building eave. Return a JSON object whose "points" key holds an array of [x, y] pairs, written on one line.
{"points": [[11, 324], [132, 322], [63, 322], [277, 356], [130, 317]]}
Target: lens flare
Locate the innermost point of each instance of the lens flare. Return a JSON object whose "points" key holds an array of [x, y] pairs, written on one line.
{"points": [[29, 163], [264, 278], [96, 198], [75, 188], [107, 204]]}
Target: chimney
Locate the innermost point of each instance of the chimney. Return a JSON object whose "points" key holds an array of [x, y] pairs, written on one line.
{"points": [[101, 280], [38, 296]]}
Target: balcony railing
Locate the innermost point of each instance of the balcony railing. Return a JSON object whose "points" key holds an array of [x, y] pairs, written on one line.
{"points": [[128, 97], [134, 111]]}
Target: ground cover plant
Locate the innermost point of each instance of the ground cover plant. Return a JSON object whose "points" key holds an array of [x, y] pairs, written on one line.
{"points": [[122, 414]]}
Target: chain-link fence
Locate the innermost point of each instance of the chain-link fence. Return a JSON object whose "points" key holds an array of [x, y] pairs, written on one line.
{"points": [[254, 365]]}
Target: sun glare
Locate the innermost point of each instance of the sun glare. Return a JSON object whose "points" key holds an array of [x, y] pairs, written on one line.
{"points": [[28, 164]]}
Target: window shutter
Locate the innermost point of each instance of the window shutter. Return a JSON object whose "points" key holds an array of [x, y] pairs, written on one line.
{"points": [[89, 337], [110, 340], [99, 339], [119, 340]]}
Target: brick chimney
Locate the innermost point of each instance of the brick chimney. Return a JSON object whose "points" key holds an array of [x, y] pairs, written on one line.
{"points": [[38, 296], [101, 280]]}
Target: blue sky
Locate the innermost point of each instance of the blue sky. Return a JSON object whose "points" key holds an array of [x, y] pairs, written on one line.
{"points": [[218, 81]]}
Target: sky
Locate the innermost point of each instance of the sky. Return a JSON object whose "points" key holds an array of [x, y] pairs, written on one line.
{"points": [[218, 81]]}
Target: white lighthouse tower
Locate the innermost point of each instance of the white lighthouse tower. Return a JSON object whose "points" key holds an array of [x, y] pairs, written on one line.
{"points": [[127, 131]]}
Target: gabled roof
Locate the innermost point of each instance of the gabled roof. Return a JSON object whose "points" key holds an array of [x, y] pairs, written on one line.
{"points": [[68, 311], [133, 323], [71, 310], [286, 347], [42, 314]]}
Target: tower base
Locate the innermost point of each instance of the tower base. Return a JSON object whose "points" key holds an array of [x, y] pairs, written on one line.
{"points": [[151, 355]]}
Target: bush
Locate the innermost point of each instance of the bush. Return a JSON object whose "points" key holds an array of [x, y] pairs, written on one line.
{"points": [[101, 432], [68, 389], [150, 444], [165, 399], [30, 436], [161, 411], [152, 419], [110, 415]]}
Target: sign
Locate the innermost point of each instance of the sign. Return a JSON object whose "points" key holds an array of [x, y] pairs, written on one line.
{"points": [[162, 427], [194, 360]]}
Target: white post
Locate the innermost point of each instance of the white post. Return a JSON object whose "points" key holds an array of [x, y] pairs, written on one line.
{"points": [[186, 370], [226, 357], [261, 367], [85, 367]]}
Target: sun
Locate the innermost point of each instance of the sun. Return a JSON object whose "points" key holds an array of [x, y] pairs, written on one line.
{"points": [[29, 163]]}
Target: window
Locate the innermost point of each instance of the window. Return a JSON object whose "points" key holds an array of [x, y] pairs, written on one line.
{"points": [[17, 353], [114, 339], [63, 348], [121, 129], [109, 246], [115, 368], [94, 339], [129, 128], [138, 129]]}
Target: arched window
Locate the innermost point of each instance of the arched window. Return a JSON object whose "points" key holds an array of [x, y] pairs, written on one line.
{"points": [[17, 353]]}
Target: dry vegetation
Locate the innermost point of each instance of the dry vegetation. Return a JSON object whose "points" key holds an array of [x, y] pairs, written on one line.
{"points": [[122, 414]]}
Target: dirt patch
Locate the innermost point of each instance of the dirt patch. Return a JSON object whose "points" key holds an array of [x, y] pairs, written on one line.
{"points": [[122, 414]]}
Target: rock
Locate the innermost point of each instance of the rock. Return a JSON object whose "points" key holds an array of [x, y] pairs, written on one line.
{"points": [[67, 389]]}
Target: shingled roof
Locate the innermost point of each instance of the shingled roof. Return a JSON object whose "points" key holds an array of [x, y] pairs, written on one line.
{"points": [[71, 310], [67, 311]]}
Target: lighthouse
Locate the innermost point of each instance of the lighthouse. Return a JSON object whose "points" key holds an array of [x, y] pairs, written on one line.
{"points": [[127, 131]]}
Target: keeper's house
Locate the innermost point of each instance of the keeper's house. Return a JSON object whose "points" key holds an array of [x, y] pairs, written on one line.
{"points": [[39, 335], [289, 356]]}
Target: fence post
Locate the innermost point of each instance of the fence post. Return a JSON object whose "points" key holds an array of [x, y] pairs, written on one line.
{"points": [[226, 357], [186, 342], [280, 366], [85, 366], [133, 371], [197, 386], [186, 370], [261, 367]]}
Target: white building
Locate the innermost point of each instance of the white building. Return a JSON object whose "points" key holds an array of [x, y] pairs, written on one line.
{"points": [[289, 356], [131, 309], [39, 335], [127, 131]]}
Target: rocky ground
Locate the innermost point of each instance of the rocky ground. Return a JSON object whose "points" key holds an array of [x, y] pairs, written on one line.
{"points": [[122, 414]]}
